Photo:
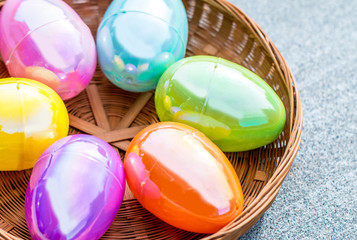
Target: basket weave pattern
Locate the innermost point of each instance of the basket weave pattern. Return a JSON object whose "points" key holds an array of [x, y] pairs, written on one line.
{"points": [[217, 28]]}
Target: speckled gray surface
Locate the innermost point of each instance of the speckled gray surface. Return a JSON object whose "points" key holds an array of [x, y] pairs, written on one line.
{"points": [[318, 199]]}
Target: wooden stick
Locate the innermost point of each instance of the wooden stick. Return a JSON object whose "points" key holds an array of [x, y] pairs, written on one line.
{"points": [[134, 110], [123, 145], [128, 194], [120, 134], [97, 107], [92, 129], [84, 126], [130, 116]]}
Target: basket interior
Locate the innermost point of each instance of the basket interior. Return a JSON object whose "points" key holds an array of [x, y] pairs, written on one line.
{"points": [[213, 30]]}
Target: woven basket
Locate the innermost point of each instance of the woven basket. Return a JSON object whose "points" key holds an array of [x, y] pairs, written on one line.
{"points": [[218, 28]]}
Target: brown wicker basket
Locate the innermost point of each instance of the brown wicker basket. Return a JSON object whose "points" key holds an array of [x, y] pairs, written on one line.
{"points": [[218, 28]]}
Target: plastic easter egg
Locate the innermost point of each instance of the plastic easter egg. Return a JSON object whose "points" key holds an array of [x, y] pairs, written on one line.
{"points": [[181, 177], [138, 40], [47, 41], [233, 106], [75, 190], [32, 117]]}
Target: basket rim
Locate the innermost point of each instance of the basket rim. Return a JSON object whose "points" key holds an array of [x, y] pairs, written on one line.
{"points": [[268, 193]]}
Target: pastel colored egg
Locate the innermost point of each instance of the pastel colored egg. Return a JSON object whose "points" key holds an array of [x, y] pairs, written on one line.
{"points": [[233, 106], [32, 117], [183, 178], [138, 40], [47, 41], [75, 189]]}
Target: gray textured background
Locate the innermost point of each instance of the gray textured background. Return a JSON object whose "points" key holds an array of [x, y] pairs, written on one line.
{"points": [[318, 199]]}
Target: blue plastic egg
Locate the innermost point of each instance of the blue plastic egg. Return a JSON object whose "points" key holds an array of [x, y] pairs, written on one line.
{"points": [[138, 40]]}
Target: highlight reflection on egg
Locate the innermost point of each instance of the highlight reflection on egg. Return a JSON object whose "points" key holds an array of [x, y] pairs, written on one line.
{"points": [[181, 177], [233, 106], [137, 40], [32, 117], [47, 41], [75, 189]]}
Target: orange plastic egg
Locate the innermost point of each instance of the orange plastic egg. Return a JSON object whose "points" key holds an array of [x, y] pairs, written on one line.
{"points": [[183, 178]]}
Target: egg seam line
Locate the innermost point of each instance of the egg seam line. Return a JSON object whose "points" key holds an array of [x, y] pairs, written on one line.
{"points": [[102, 166], [19, 92], [7, 61], [147, 177], [131, 11], [55, 153], [203, 110]]}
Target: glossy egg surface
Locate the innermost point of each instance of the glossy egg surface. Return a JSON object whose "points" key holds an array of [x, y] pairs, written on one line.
{"points": [[75, 189], [233, 106], [138, 40], [32, 117], [181, 177], [47, 41]]}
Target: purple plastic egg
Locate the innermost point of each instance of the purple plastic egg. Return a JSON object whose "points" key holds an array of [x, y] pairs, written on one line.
{"points": [[46, 40], [75, 189]]}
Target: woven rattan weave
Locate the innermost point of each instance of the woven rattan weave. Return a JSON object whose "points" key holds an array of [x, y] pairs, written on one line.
{"points": [[218, 28]]}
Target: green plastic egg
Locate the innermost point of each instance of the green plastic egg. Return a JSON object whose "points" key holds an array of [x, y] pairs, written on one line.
{"points": [[233, 106]]}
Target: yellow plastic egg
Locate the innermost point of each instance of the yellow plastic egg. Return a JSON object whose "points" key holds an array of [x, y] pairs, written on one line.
{"points": [[32, 117]]}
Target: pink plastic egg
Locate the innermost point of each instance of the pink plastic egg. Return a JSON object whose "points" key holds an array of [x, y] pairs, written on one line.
{"points": [[47, 41]]}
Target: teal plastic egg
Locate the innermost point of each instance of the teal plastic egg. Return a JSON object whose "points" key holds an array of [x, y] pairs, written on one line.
{"points": [[233, 106], [138, 40]]}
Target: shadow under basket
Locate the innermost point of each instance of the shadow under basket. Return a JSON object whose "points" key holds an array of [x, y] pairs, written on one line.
{"points": [[217, 28]]}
